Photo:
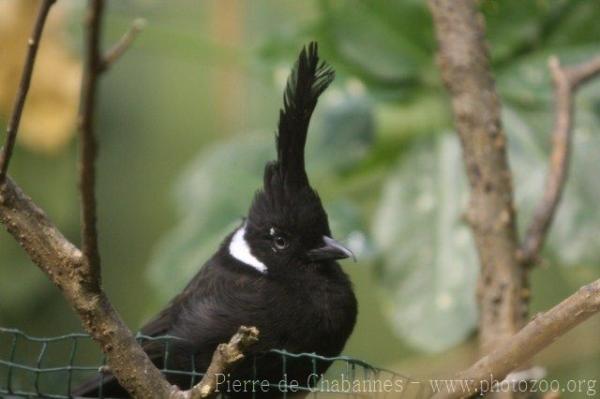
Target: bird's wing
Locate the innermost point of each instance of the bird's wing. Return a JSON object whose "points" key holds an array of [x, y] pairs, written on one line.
{"points": [[163, 324]]}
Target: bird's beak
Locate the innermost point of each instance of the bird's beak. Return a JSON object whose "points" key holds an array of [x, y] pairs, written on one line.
{"points": [[332, 250]]}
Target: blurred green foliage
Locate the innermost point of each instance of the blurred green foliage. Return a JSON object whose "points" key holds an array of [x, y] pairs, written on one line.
{"points": [[186, 124]]}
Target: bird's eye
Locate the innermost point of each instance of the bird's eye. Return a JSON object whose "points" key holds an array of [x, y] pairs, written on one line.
{"points": [[280, 242]]}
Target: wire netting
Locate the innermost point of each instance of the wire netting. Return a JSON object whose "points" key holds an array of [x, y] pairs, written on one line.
{"points": [[51, 367]]}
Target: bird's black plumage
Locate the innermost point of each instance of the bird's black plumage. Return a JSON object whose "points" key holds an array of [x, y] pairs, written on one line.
{"points": [[308, 80], [277, 271]]}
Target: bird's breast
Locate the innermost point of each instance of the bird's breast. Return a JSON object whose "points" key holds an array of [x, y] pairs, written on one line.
{"points": [[320, 315]]}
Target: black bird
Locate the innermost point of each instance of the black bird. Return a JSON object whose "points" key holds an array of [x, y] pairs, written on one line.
{"points": [[277, 271]]}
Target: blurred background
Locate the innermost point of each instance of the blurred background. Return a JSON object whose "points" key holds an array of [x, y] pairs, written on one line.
{"points": [[186, 122]]}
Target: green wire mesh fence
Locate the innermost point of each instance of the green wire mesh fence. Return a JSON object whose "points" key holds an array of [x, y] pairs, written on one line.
{"points": [[34, 367]]}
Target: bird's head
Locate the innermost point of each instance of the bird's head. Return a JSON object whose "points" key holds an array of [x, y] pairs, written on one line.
{"points": [[287, 225]]}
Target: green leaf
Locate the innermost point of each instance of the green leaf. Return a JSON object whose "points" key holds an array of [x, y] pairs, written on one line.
{"points": [[516, 26], [577, 23], [519, 28], [529, 115], [527, 85], [574, 238], [347, 223], [220, 177], [429, 264], [369, 42], [344, 132]]}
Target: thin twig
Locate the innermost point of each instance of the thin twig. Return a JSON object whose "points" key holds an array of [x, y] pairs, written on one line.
{"points": [[225, 357], [582, 73], [116, 51], [540, 332], [88, 145], [15, 118], [566, 81]]}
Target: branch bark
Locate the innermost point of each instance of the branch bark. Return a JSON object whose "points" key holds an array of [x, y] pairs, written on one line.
{"points": [[566, 83], [77, 273], [503, 286], [117, 51], [88, 148], [540, 332], [15, 118], [67, 268], [225, 357], [74, 273], [464, 64]]}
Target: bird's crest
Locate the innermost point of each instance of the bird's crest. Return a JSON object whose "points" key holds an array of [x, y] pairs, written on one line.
{"points": [[287, 196], [307, 81]]}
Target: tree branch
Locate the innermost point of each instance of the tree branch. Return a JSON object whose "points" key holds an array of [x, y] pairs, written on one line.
{"points": [[77, 273], [540, 332], [115, 52], [582, 73], [15, 118], [65, 265], [88, 147], [464, 64], [67, 268], [566, 82], [225, 357]]}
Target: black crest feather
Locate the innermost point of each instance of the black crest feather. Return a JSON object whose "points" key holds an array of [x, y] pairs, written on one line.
{"points": [[308, 80]]}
